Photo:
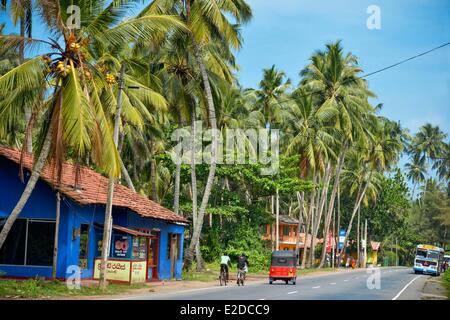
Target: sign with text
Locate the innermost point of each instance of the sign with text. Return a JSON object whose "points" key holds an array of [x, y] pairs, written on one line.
{"points": [[341, 238], [121, 246], [138, 271], [115, 270], [329, 242]]}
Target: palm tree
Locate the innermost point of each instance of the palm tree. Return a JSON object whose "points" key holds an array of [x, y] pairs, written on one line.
{"points": [[208, 22], [442, 164], [428, 142], [272, 90], [385, 147], [21, 10], [310, 138], [332, 76], [74, 115], [416, 171]]}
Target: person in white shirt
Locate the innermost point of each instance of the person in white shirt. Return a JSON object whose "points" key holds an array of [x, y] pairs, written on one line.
{"points": [[225, 261]]}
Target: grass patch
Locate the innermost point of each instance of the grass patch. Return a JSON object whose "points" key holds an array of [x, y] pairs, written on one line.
{"points": [[38, 288], [446, 279]]}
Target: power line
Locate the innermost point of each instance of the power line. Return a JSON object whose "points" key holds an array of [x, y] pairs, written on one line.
{"points": [[368, 74]]}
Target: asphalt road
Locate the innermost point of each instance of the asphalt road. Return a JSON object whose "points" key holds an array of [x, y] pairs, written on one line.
{"points": [[394, 284]]}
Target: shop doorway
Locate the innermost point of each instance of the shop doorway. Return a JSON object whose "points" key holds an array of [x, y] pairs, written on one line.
{"points": [[152, 257]]}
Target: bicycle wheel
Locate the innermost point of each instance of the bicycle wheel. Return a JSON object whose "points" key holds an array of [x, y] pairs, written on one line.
{"points": [[221, 279]]}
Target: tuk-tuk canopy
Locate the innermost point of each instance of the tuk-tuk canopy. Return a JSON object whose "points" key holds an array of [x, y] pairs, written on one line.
{"points": [[283, 253]]}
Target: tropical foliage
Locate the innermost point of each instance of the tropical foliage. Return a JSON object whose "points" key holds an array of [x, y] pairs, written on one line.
{"points": [[111, 93]]}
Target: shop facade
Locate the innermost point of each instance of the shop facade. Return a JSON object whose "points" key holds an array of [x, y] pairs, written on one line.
{"points": [[146, 242]]}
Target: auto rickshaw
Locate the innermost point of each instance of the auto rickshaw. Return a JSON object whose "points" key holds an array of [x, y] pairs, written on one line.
{"points": [[283, 266]]}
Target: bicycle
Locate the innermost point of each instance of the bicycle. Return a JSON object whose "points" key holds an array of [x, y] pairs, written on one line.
{"points": [[240, 277], [223, 277]]}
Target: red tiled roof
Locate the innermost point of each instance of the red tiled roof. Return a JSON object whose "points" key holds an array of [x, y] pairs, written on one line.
{"points": [[93, 188]]}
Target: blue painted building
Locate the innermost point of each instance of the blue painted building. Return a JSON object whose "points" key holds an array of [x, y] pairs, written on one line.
{"points": [[147, 239]]}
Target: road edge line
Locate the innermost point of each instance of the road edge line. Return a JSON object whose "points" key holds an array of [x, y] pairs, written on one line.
{"points": [[407, 285]]}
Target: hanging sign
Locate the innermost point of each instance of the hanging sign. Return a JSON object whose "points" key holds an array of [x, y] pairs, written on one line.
{"points": [[341, 238]]}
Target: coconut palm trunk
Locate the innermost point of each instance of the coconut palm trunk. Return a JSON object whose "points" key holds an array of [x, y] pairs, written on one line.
{"points": [[359, 198], [126, 175], [301, 213], [107, 226], [36, 172], [176, 196], [305, 249], [339, 167], [212, 169]]}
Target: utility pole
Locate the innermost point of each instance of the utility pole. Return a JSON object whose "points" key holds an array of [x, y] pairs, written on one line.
{"points": [[358, 239], [272, 232], [277, 246], [365, 247], [55, 245], [333, 243], [107, 226]]}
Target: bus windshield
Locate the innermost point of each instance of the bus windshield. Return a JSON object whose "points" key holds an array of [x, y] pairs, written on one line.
{"points": [[433, 255], [421, 253]]}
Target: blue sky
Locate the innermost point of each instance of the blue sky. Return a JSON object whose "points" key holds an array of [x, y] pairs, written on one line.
{"points": [[287, 32]]}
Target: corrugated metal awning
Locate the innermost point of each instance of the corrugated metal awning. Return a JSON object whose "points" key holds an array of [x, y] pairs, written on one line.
{"points": [[131, 231]]}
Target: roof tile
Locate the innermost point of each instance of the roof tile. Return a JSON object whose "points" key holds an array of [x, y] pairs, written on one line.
{"points": [[93, 188]]}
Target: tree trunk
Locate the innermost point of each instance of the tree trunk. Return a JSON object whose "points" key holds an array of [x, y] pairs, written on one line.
{"points": [[126, 176], [305, 250], [339, 166], [365, 247], [355, 209], [153, 179], [272, 211], [358, 237], [338, 224], [312, 210], [277, 228], [107, 226], [212, 169], [28, 134], [36, 172], [300, 199], [55, 244], [176, 196]]}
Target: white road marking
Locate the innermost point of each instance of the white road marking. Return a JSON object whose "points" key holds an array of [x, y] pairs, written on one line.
{"points": [[316, 287], [357, 278], [292, 292], [333, 283], [346, 280], [398, 294], [262, 299]]}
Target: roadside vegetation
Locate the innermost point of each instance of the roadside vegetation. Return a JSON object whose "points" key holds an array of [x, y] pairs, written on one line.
{"points": [[446, 279], [42, 289], [339, 156]]}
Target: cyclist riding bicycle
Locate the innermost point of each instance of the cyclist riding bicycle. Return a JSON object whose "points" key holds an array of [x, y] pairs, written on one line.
{"points": [[225, 261]]}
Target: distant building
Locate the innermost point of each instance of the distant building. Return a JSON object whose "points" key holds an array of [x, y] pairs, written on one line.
{"points": [[288, 234], [147, 239]]}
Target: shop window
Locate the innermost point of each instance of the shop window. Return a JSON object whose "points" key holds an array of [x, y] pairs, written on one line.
{"points": [[13, 250], [30, 242], [84, 245]]}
